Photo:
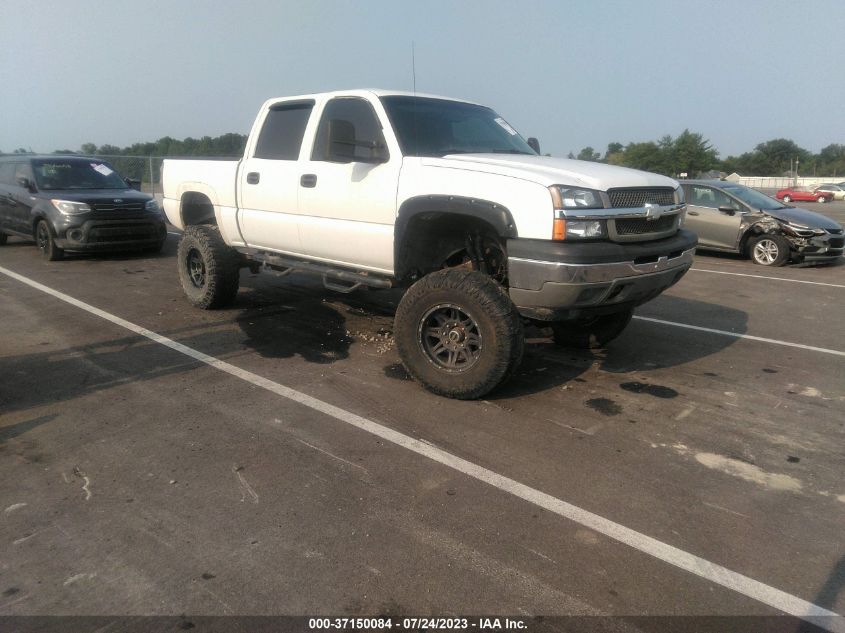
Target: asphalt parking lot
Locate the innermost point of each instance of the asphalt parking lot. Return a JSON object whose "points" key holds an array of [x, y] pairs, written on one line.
{"points": [[276, 459]]}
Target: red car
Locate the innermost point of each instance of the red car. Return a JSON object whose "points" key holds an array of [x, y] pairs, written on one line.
{"points": [[803, 194]]}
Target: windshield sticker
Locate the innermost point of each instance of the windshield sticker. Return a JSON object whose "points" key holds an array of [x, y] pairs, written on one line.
{"points": [[505, 126], [102, 169]]}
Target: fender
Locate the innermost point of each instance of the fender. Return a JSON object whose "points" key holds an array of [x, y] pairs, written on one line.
{"points": [[496, 215]]}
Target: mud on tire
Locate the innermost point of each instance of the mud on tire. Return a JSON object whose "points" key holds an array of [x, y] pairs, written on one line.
{"points": [[208, 269], [458, 333]]}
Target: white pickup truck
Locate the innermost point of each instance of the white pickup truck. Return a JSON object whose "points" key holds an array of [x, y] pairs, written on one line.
{"points": [[382, 189]]}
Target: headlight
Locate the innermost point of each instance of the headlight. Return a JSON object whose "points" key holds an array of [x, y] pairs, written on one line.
{"points": [[69, 207], [575, 198], [585, 229], [801, 230], [565, 229], [152, 205]]}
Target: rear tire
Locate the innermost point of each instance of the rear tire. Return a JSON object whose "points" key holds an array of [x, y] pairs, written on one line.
{"points": [[458, 333], [46, 242], [787, 198], [208, 269], [592, 332], [769, 250], [3, 238], [822, 199]]}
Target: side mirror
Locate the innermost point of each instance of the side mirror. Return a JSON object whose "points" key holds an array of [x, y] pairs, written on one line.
{"points": [[26, 183], [534, 144], [133, 183], [342, 145], [727, 210]]}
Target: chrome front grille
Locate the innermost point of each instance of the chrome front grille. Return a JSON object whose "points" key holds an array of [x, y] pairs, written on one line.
{"points": [[638, 197]]}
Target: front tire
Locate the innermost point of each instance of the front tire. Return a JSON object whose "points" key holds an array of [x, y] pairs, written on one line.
{"points": [[46, 242], [769, 250], [822, 199], [787, 199], [208, 269], [592, 332], [458, 333]]}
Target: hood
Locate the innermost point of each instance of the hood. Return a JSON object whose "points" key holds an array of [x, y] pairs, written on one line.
{"points": [[803, 217], [546, 170]]}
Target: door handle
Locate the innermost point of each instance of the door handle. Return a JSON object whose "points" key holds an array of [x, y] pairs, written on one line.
{"points": [[252, 178], [692, 213], [308, 180]]}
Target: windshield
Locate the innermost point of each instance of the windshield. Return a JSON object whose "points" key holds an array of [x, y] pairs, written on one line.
{"points": [[76, 174], [753, 198], [436, 127]]}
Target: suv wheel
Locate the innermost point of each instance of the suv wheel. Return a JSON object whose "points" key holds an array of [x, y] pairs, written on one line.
{"points": [[45, 240], [208, 269], [458, 333], [591, 332], [769, 250]]}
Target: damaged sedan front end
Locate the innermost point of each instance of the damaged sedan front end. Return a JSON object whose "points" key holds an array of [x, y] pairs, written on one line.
{"points": [[733, 218]]}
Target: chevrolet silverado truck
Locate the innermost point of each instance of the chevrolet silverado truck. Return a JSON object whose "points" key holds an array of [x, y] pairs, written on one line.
{"points": [[382, 189]]}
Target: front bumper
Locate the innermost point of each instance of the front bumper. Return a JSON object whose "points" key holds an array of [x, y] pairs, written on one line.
{"points": [[821, 249], [552, 281], [112, 234]]}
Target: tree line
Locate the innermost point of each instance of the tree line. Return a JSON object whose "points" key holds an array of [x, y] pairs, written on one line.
{"points": [[688, 153]]}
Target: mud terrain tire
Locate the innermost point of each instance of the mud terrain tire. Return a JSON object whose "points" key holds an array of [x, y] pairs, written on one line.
{"points": [[458, 333], [208, 269]]}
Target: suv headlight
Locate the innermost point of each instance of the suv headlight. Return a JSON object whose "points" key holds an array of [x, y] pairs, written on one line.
{"points": [[69, 207], [152, 205]]}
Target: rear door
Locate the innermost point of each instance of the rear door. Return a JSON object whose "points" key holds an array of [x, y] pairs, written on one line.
{"points": [[716, 228], [268, 179], [347, 195]]}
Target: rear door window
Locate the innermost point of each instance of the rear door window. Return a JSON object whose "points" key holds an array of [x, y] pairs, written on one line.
{"points": [[283, 130]]}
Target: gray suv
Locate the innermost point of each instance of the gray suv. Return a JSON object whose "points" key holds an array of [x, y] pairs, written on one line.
{"points": [[75, 203], [734, 218]]}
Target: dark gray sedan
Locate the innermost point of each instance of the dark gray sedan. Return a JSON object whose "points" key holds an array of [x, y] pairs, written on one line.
{"points": [[734, 218]]}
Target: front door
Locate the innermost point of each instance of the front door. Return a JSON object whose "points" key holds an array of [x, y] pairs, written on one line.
{"points": [[347, 198], [717, 228]]}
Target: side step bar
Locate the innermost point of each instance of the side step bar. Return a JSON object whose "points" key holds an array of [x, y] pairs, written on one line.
{"points": [[286, 265]]}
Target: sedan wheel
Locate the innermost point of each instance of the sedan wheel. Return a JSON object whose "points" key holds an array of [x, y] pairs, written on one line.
{"points": [[822, 199], [787, 198], [770, 250]]}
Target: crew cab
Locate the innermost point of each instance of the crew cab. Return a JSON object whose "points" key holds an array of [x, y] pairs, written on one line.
{"points": [[440, 196], [75, 203]]}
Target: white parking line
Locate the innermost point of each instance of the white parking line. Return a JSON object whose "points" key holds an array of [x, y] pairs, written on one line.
{"points": [[775, 598], [795, 281], [749, 337]]}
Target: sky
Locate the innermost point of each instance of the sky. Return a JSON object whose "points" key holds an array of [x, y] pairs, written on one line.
{"points": [[573, 73]]}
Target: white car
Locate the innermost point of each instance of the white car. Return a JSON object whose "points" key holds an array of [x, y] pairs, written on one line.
{"points": [[838, 191]]}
